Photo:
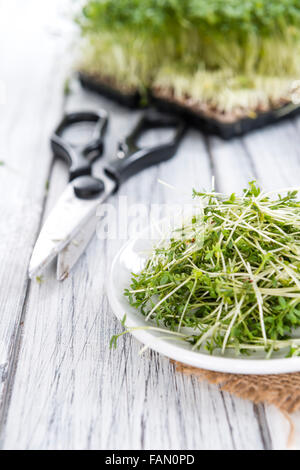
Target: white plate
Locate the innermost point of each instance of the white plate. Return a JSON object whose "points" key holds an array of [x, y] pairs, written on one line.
{"points": [[131, 258]]}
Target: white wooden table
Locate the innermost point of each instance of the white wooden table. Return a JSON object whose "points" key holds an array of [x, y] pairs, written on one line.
{"points": [[61, 387]]}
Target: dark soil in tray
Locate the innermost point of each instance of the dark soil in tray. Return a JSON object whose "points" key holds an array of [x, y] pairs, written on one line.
{"points": [[225, 128], [209, 123]]}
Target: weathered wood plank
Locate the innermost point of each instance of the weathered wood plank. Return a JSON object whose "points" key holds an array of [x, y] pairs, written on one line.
{"points": [[276, 158], [31, 103], [65, 389], [275, 155], [233, 169], [89, 396], [270, 156]]}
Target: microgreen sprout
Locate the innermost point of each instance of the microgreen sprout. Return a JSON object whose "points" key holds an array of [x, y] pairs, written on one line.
{"points": [[39, 279], [217, 56], [239, 289]]}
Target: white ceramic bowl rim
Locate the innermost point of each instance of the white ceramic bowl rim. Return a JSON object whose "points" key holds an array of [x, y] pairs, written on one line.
{"points": [[120, 306]]}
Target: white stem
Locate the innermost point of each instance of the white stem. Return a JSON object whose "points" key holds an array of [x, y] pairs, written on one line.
{"points": [[167, 296]]}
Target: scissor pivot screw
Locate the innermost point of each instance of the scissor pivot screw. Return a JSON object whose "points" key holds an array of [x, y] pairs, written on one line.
{"points": [[120, 154], [87, 187]]}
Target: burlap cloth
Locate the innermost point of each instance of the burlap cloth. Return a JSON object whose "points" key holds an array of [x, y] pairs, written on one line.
{"points": [[282, 390]]}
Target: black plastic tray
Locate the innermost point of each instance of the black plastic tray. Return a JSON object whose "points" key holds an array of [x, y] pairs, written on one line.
{"points": [[130, 100], [208, 125], [226, 130]]}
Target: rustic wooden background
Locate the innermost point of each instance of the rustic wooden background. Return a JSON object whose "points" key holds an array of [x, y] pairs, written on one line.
{"points": [[61, 387]]}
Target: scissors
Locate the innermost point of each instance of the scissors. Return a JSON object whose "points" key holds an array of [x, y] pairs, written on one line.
{"points": [[72, 222]]}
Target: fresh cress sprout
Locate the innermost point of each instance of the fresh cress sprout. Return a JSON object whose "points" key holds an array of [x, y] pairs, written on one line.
{"points": [[191, 49], [231, 280]]}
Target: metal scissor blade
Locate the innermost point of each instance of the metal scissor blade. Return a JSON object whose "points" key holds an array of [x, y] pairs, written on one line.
{"points": [[68, 216], [69, 256]]}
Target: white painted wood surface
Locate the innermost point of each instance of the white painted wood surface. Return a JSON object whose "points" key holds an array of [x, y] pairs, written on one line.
{"points": [[61, 387]]}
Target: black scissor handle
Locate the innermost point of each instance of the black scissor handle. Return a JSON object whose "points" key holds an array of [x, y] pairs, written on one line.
{"points": [[131, 158], [80, 157]]}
